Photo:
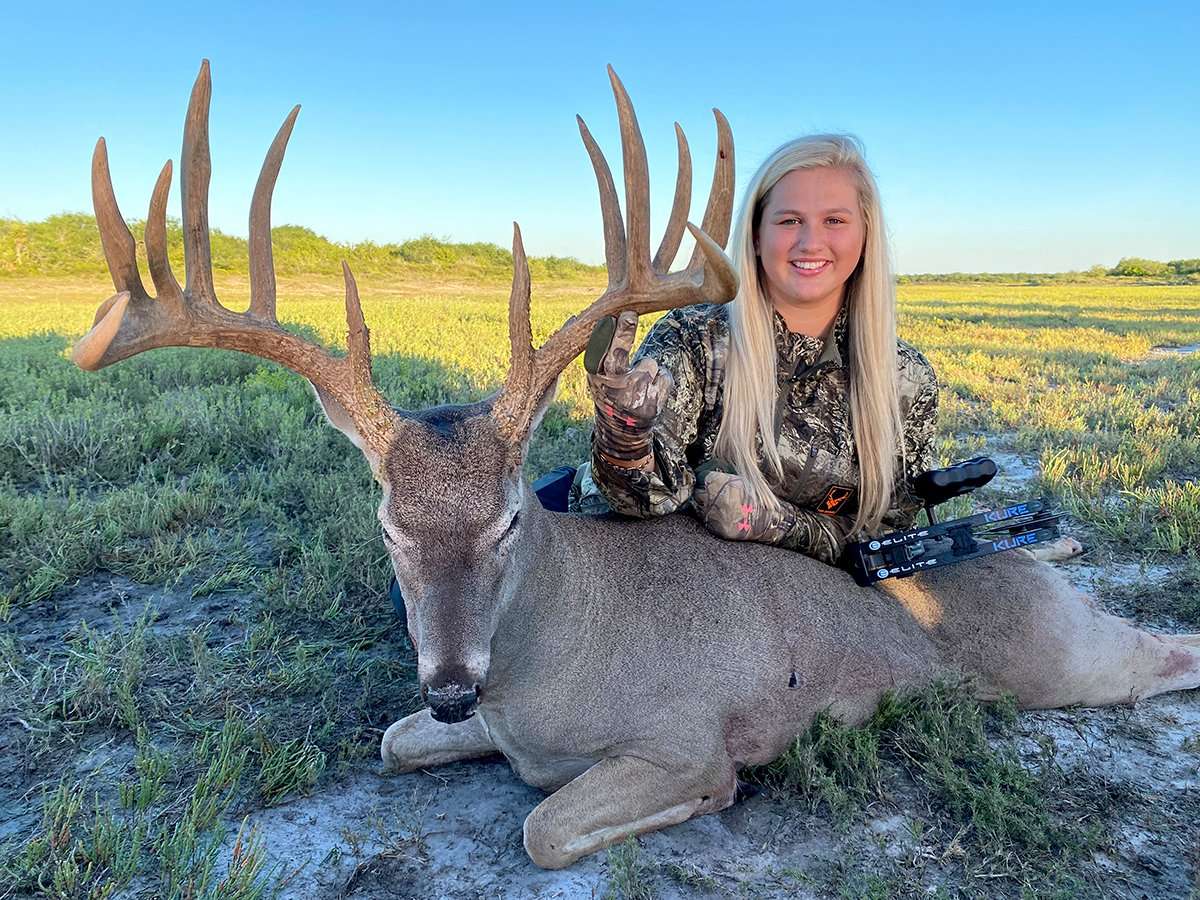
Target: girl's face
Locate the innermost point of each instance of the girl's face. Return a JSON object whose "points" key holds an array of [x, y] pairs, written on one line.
{"points": [[810, 237]]}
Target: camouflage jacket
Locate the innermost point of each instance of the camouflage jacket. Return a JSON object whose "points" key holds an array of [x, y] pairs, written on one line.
{"points": [[812, 430]]}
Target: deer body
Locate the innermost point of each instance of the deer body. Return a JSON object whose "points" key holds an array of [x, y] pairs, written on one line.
{"points": [[654, 644], [629, 666]]}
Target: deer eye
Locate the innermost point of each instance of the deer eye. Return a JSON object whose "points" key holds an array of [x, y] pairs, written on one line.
{"points": [[509, 533]]}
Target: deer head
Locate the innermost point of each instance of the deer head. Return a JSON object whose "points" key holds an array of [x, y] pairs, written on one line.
{"points": [[453, 496]]}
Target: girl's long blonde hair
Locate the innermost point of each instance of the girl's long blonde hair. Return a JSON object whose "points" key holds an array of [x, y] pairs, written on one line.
{"points": [[750, 376]]}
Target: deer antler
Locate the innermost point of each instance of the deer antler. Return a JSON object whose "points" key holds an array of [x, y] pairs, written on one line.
{"points": [[635, 281], [132, 321]]}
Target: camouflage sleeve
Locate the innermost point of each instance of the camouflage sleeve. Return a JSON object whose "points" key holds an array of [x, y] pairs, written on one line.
{"points": [[920, 423], [722, 503], [817, 535], [633, 492]]}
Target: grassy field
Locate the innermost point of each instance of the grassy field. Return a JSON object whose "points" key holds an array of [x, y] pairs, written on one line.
{"points": [[192, 581]]}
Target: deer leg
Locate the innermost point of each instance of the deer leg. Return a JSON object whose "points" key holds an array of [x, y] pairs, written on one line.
{"points": [[1108, 660], [614, 799], [1105, 661], [1022, 628], [1174, 664], [418, 742], [1130, 665]]}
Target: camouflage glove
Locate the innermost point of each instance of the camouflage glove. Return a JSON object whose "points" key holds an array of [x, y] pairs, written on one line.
{"points": [[628, 401], [723, 504]]}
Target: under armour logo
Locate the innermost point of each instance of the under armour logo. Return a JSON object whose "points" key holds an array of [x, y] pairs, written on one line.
{"points": [[747, 511]]}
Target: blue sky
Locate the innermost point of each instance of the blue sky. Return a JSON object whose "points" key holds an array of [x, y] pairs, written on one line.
{"points": [[1004, 138]]}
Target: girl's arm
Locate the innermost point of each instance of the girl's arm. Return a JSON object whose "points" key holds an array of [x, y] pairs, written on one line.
{"points": [[920, 424], [664, 482]]}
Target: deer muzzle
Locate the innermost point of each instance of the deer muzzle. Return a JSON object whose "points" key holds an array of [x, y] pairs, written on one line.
{"points": [[452, 702]]}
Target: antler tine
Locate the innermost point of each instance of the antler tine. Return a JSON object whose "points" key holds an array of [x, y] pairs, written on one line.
{"points": [[637, 188], [165, 285], [514, 405], [262, 266], [358, 335], [718, 282], [195, 169], [719, 212], [520, 329], [120, 249], [374, 416], [679, 208], [610, 209]]}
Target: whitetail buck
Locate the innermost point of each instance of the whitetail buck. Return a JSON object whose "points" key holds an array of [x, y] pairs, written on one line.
{"points": [[631, 667]]}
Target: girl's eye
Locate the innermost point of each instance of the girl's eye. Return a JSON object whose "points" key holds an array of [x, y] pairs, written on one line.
{"points": [[835, 220]]}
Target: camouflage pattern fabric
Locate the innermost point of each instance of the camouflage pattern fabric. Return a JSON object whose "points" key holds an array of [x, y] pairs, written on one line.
{"points": [[812, 425], [628, 401]]}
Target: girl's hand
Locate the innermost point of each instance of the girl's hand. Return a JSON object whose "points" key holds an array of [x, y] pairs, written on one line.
{"points": [[724, 505], [628, 400]]}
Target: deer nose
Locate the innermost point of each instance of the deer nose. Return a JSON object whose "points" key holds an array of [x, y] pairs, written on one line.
{"points": [[451, 702]]}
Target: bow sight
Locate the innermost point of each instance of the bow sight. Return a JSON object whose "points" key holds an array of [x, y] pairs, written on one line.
{"points": [[902, 553]]}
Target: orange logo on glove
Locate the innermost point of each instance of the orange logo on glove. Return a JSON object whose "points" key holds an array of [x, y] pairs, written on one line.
{"points": [[835, 498]]}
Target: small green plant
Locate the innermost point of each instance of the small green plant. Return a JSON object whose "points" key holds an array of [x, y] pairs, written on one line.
{"points": [[831, 765], [287, 768], [690, 876], [628, 872], [247, 874], [151, 768]]}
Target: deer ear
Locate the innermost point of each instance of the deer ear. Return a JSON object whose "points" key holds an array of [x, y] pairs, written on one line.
{"points": [[341, 420], [543, 405], [522, 449]]}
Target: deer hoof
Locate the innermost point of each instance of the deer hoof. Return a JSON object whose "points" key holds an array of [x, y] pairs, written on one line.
{"points": [[396, 747], [1057, 551]]}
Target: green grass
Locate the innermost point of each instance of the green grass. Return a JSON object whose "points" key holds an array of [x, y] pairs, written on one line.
{"points": [[1002, 816], [191, 575], [628, 873]]}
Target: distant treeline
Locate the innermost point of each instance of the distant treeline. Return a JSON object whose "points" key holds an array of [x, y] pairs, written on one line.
{"points": [[1177, 271], [70, 244]]}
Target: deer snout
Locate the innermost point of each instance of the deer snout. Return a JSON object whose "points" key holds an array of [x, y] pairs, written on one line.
{"points": [[451, 702], [452, 687]]}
